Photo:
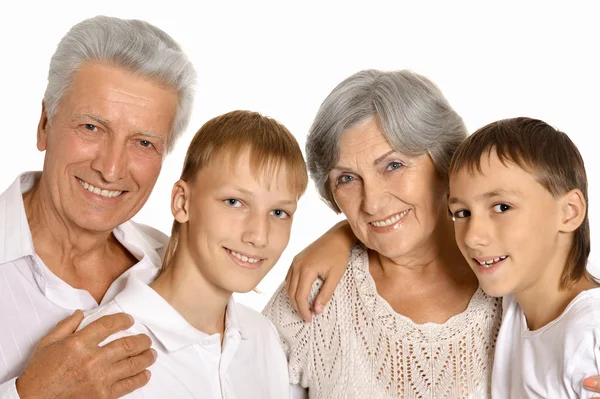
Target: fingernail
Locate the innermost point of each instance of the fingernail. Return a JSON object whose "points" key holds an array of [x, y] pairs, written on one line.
{"points": [[318, 308], [590, 383], [154, 353]]}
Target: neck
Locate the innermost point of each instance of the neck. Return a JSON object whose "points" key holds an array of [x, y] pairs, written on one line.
{"points": [[200, 302], [48, 226], [84, 259], [438, 257], [543, 300]]}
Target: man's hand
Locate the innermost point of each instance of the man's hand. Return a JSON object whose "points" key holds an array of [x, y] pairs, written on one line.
{"points": [[69, 364], [592, 384], [326, 258]]}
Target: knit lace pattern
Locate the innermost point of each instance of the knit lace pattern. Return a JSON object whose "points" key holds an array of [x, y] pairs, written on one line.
{"points": [[360, 348]]}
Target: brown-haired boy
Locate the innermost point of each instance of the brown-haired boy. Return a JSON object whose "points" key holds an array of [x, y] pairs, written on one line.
{"points": [[518, 198]]}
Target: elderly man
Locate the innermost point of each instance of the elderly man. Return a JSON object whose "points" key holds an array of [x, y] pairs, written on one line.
{"points": [[119, 94]]}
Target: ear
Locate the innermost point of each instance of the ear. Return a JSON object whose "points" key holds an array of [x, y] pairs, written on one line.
{"points": [[180, 196], [573, 211], [42, 134]]}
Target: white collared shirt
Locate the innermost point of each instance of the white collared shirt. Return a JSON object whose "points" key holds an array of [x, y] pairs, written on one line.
{"points": [[191, 364], [33, 299]]}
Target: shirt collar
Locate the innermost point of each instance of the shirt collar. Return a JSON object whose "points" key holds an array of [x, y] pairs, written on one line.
{"points": [[16, 242], [147, 307], [15, 236]]}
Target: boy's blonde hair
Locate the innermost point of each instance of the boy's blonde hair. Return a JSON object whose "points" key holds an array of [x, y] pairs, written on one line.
{"points": [[550, 156], [225, 137]]}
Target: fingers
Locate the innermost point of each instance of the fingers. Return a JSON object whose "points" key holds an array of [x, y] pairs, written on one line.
{"points": [[123, 348], [293, 286], [63, 329], [592, 384], [98, 330], [305, 283], [132, 366], [326, 292], [128, 385]]}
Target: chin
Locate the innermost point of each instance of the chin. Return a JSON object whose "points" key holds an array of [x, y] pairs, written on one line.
{"points": [[494, 290], [240, 288]]}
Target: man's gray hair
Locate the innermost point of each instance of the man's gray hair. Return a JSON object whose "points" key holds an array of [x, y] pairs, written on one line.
{"points": [[134, 45], [411, 111]]}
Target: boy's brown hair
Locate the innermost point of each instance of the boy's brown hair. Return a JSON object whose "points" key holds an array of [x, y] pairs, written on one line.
{"points": [[225, 137], [548, 155]]}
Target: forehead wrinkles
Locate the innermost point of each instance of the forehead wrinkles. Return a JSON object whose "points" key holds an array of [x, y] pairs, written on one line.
{"points": [[367, 148]]}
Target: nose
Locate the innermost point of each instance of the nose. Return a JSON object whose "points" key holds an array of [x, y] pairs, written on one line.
{"points": [[256, 231], [375, 197], [477, 232], [111, 160]]}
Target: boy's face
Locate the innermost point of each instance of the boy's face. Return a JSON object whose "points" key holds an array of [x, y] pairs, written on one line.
{"points": [[506, 225], [238, 226]]}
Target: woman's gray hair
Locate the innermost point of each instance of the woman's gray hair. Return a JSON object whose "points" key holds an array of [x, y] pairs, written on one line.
{"points": [[134, 45], [412, 113]]}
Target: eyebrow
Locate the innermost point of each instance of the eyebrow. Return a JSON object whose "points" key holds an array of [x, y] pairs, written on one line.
{"points": [[107, 124], [375, 162], [489, 194]]}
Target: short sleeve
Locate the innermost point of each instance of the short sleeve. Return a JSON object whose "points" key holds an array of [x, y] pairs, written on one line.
{"points": [[585, 359]]}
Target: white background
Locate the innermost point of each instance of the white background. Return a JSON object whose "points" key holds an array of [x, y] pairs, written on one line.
{"points": [[492, 61]]}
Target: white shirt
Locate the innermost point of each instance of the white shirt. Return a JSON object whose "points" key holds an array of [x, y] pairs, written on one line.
{"points": [[32, 299], [552, 361], [192, 364]]}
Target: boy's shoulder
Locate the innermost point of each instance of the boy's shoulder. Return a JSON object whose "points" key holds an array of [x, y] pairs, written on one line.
{"points": [[252, 321], [583, 311], [107, 309]]}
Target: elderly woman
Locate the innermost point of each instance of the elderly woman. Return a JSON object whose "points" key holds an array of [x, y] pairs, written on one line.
{"points": [[407, 319]]}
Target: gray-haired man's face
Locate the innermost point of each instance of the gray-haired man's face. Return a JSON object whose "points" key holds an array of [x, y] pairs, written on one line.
{"points": [[105, 146]]}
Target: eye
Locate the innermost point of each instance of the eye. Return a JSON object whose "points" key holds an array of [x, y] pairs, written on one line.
{"points": [[232, 202], [90, 127], [461, 214], [501, 208], [343, 179], [394, 165], [145, 143], [280, 214]]}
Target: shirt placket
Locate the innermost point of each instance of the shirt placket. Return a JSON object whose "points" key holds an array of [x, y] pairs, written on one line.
{"points": [[231, 345], [209, 350]]}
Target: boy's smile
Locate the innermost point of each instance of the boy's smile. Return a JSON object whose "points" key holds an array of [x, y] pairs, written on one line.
{"points": [[237, 222], [507, 226]]}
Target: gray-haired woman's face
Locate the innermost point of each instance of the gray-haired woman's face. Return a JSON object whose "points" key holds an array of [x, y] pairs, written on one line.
{"points": [[392, 202]]}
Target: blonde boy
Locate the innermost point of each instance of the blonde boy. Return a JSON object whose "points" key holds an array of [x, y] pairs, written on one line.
{"points": [[233, 209]]}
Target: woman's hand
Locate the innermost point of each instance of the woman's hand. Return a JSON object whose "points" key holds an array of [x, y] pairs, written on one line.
{"points": [[326, 258]]}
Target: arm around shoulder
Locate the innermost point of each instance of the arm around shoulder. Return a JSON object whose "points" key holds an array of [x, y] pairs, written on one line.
{"points": [[325, 258]]}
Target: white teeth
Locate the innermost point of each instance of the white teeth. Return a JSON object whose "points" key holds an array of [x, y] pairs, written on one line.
{"points": [[488, 263], [96, 190], [391, 220], [244, 258]]}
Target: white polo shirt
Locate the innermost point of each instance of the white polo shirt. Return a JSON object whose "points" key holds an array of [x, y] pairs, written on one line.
{"points": [[32, 299], [191, 364]]}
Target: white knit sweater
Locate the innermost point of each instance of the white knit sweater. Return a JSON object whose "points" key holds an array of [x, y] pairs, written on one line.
{"points": [[360, 348]]}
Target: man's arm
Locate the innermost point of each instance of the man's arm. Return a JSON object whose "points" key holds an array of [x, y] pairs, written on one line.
{"points": [[70, 364]]}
